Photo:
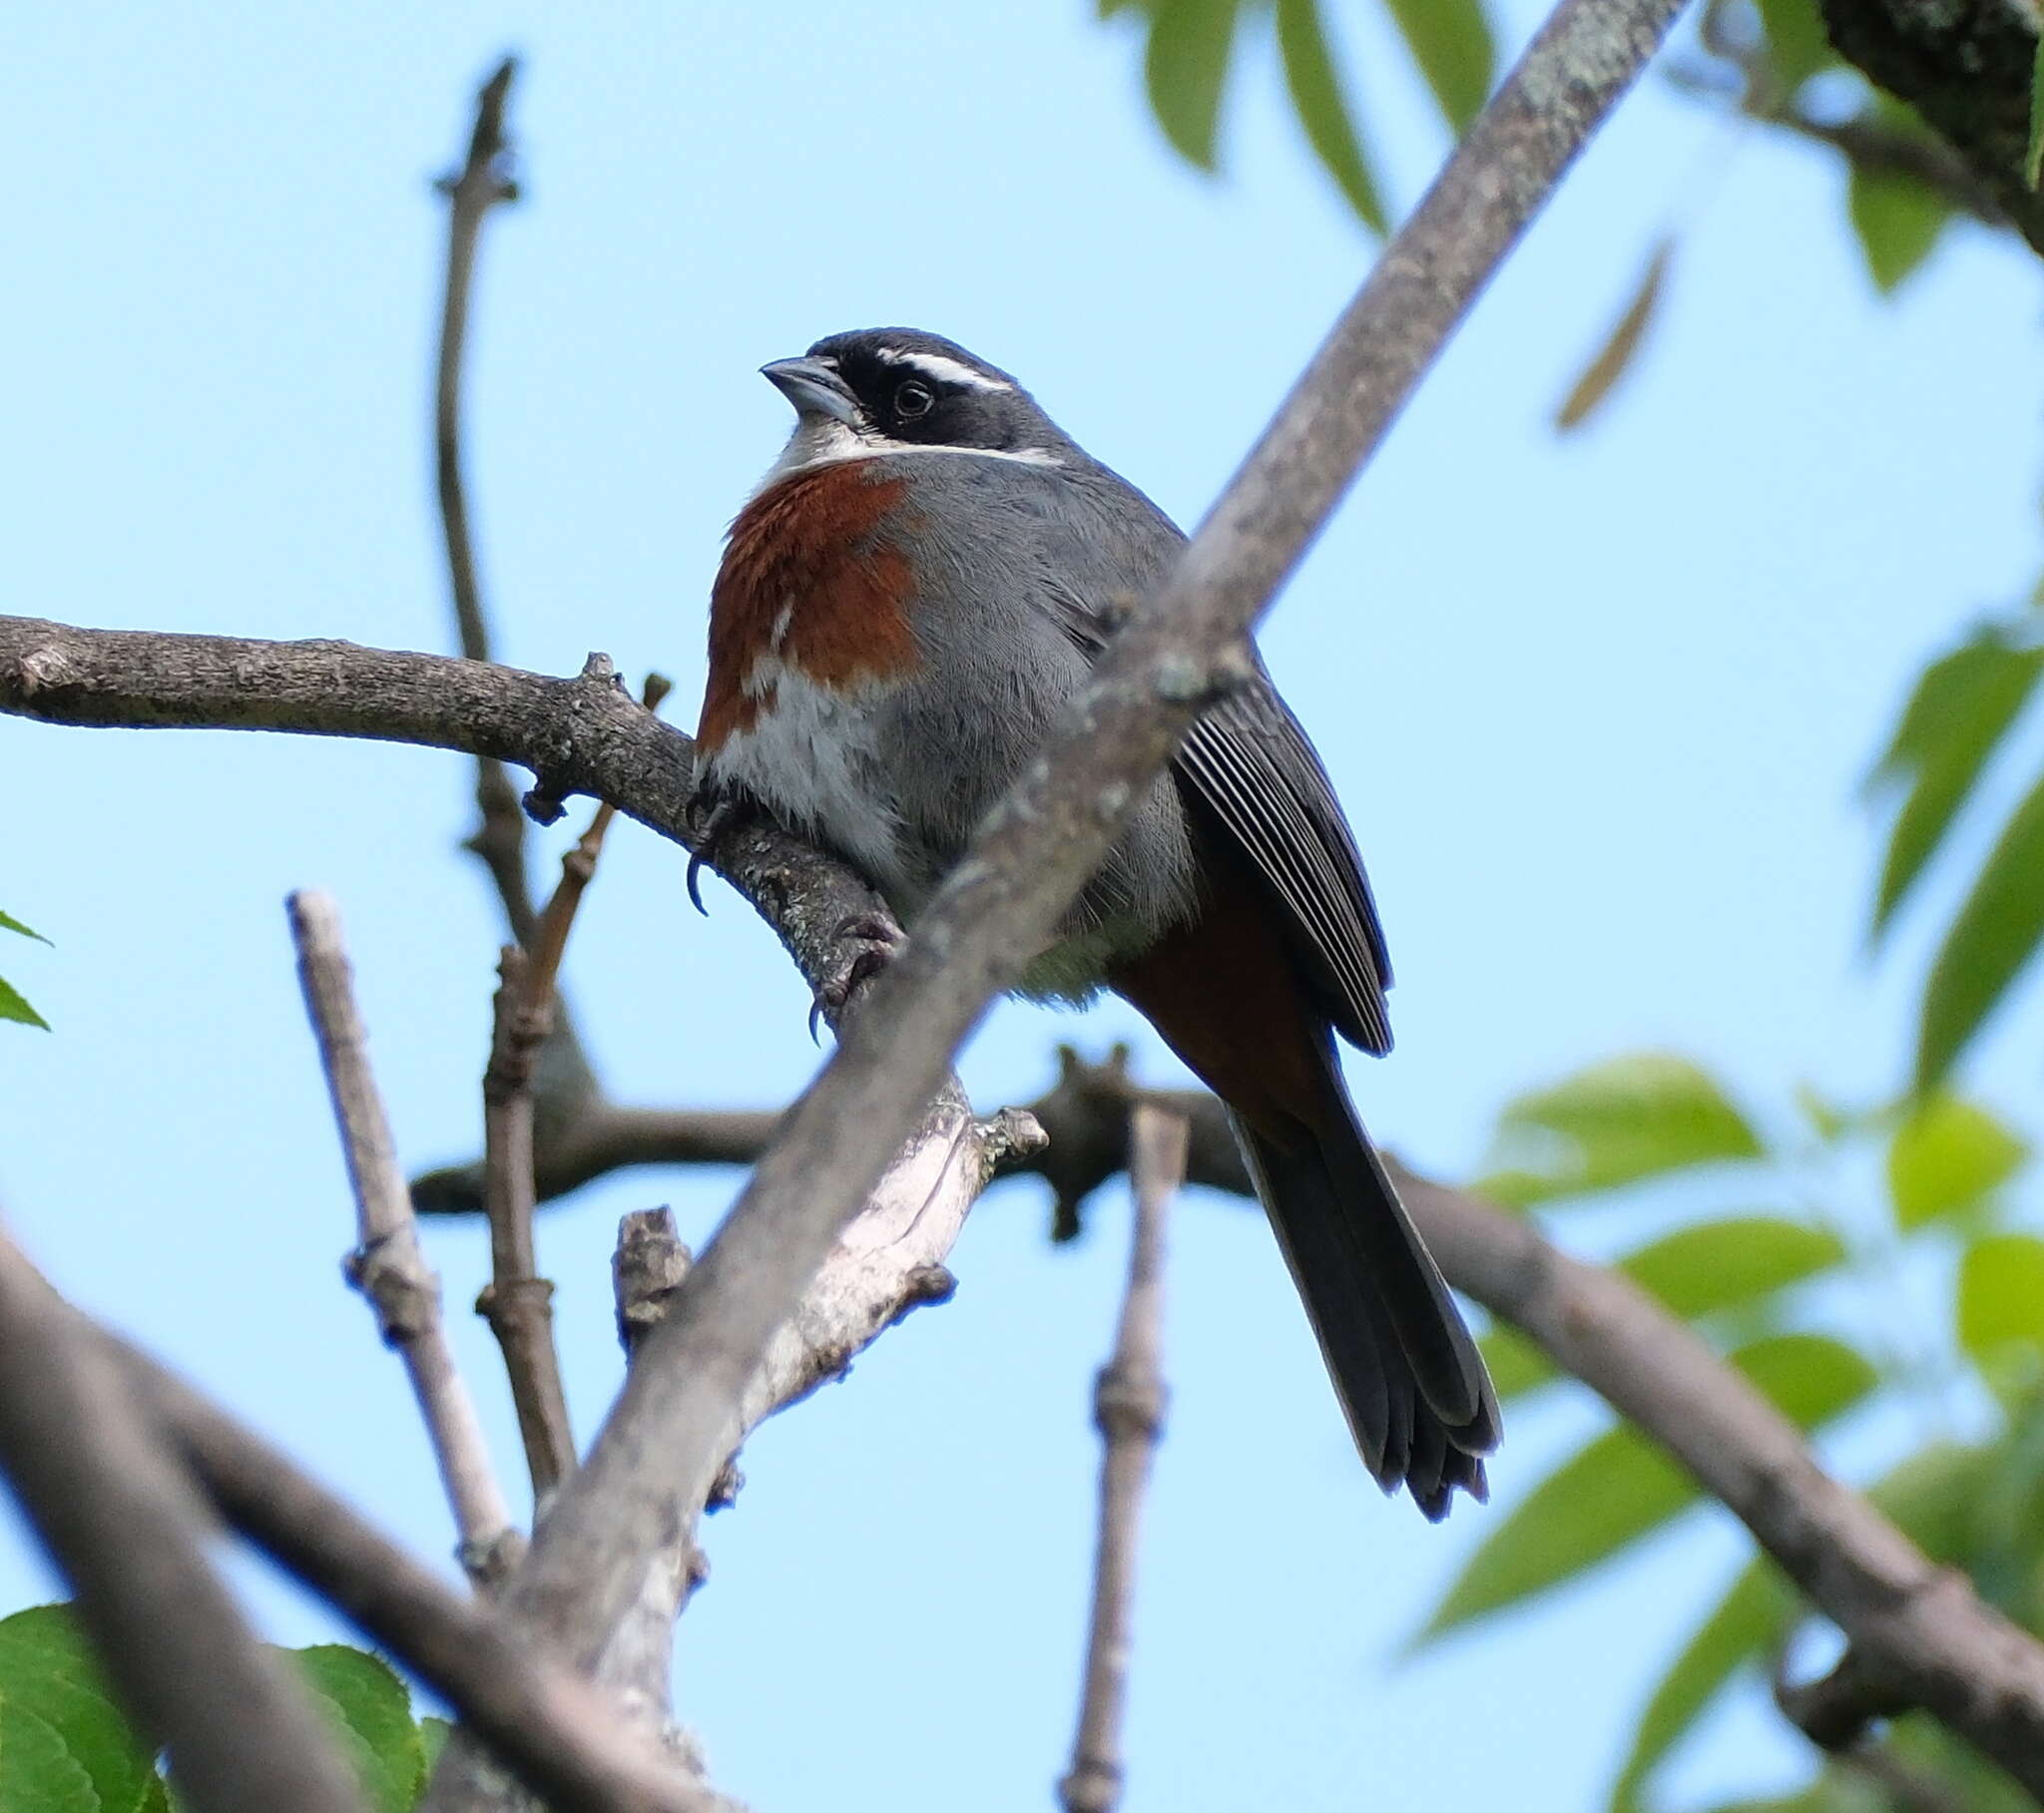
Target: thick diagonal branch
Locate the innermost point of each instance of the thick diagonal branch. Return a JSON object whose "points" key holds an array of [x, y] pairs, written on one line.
{"points": [[558, 1732], [126, 1528]]}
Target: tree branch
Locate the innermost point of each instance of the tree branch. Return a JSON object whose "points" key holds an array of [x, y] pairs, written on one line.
{"points": [[387, 1266], [1966, 67], [481, 184], [517, 1302], [548, 1724], [1919, 1636], [1128, 1407], [121, 1523]]}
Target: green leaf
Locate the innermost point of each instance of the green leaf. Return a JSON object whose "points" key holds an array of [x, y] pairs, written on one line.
{"points": [[49, 1674], [1620, 1485], [1751, 1619], [1607, 1494], [1450, 41], [37, 1773], [1324, 109], [8, 923], [1796, 45], [2002, 1293], [13, 1007], [1615, 1123], [1898, 221], [1614, 358], [371, 1708], [433, 1736], [1928, 1497], [1995, 934], [1695, 1271], [1962, 707], [1722, 1264], [1515, 1364], [1946, 1157], [1187, 67]]}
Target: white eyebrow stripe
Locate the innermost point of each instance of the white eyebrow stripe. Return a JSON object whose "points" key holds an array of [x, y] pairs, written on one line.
{"points": [[944, 370]]}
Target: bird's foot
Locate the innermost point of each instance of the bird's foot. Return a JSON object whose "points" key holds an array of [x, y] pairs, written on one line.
{"points": [[875, 941], [713, 816]]}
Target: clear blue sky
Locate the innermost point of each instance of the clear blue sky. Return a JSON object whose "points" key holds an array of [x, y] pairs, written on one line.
{"points": [[1597, 707]]}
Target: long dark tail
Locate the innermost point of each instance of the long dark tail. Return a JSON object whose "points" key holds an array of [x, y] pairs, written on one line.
{"points": [[1414, 1388]]}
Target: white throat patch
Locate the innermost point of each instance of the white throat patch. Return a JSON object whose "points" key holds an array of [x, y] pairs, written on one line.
{"points": [[823, 441]]}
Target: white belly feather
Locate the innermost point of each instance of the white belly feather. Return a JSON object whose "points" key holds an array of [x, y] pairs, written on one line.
{"points": [[813, 755]]}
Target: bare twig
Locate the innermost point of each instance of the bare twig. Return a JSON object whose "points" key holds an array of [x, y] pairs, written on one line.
{"points": [[1128, 1405], [1738, 74], [549, 1725], [122, 1521], [483, 180], [1837, 1713], [387, 1266], [517, 1301], [647, 1267], [646, 1270]]}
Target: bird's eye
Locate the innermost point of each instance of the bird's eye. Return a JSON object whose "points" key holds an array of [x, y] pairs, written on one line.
{"points": [[912, 399]]}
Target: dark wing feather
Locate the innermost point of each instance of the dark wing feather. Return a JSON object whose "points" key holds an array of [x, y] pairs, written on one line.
{"points": [[1249, 763]]}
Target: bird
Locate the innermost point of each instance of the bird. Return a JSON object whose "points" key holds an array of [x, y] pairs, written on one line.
{"points": [[906, 602]]}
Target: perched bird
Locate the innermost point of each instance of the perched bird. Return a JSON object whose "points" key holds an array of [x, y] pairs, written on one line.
{"points": [[914, 591]]}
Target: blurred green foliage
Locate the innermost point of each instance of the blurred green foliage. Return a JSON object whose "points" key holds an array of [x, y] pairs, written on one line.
{"points": [[65, 1748], [1919, 1195], [1800, 1287], [1769, 61], [12, 1004]]}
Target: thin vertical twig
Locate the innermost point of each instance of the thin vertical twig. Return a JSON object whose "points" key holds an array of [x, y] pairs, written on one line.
{"points": [[1128, 1408], [483, 180], [387, 1265], [518, 1302], [125, 1526]]}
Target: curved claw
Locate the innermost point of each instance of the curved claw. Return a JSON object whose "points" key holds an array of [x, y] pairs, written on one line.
{"points": [[724, 811], [883, 942]]}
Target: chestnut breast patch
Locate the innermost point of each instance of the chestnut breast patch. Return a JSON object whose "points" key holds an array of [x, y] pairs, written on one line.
{"points": [[808, 587]]}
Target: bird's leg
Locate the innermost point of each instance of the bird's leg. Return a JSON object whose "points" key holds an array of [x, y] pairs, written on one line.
{"points": [[877, 941]]}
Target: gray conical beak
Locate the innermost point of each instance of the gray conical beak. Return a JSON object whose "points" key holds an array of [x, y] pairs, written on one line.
{"points": [[812, 387]]}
